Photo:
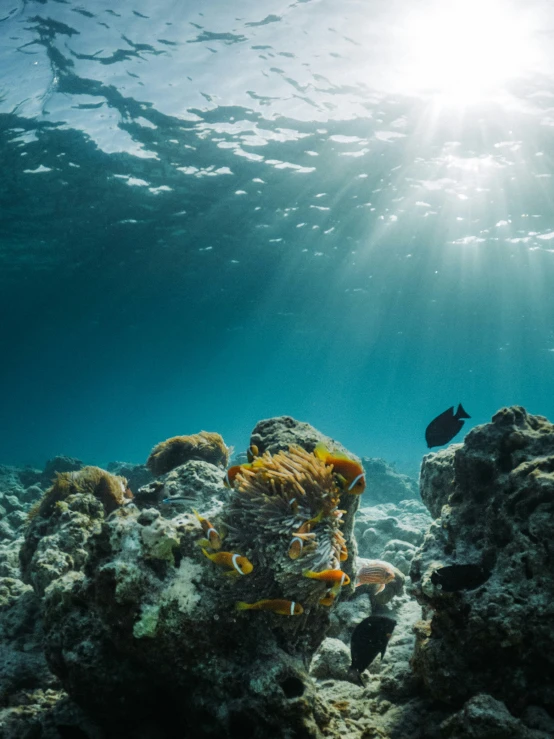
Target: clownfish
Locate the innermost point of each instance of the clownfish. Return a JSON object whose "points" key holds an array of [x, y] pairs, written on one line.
{"points": [[238, 564], [276, 605], [333, 576], [252, 452], [231, 473], [213, 538], [330, 596], [350, 473], [297, 544], [303, 533]]}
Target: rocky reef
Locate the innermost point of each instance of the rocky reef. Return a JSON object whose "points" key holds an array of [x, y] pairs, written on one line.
{"points": [[134, 608], [385, 484], [489, 614], [119, 618]]}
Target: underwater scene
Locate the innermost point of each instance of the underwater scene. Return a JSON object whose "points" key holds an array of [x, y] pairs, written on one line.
{"points": [[277, 369]]}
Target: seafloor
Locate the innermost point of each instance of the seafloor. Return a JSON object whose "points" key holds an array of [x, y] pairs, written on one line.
{"points": [[113, 623]]}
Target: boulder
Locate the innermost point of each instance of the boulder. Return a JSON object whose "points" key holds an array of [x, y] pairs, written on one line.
{"points": [[489, 624]]}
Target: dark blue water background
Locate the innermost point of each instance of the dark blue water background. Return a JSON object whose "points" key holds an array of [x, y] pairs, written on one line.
{"points": [[216, 212]]}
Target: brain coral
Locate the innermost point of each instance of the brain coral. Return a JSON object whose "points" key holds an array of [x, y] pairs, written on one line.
{"points": [[171, 453]]}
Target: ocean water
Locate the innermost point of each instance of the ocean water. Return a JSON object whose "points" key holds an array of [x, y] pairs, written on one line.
{"points": [[217, 212]]}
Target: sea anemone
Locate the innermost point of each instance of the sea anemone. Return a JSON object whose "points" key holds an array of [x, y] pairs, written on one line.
{"points": [[111, 490], [205, 446], [271, 500]]}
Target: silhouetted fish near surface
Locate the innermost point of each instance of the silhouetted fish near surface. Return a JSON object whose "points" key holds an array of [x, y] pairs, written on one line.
{"points": [[444, 428], [370, 637], [459, 577]]}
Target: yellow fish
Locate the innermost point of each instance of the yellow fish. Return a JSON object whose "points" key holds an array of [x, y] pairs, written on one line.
{"points": [[276, 605], [238, 564], [214, 539], [349, 472], [333, 576]]}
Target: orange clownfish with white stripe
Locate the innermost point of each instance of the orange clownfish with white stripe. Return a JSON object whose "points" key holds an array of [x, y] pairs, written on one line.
{"points": [[212, 536], [275, 605], [349, 473], [237, 564], [331, 576], [302, 535]]}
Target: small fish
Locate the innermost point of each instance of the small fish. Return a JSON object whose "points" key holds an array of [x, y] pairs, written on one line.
{"points": [[238, 564], [297, 544], [252, 452], [231, 473], [375, 571], [343, 555], [276, 605], [350, 473], [176, 499], [459, 577], [333, 576], [369, 638], [328, 599], [444, 428], [331, 595], [212, 535]]}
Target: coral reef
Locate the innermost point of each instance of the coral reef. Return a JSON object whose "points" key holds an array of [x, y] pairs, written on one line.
{"points": [[392, 532], [61, 463], [493, 634], [136, 475], [197, 483], [120, 607], [385, 484], [205, 446], [61, 523], [160, 629], [279, 433]]}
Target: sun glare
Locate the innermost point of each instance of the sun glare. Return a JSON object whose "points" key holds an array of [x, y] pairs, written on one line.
{"points": [[466, 50]]}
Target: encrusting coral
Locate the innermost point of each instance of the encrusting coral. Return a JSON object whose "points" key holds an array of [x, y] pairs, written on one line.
{"points": [[206, 446]]}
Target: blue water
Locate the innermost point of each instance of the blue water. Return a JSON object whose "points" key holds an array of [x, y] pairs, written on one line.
{"points": [[215, 212]]}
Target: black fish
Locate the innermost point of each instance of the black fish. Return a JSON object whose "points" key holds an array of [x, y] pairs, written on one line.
{"points": [[370, 637], [459, 577], [443, 428]]}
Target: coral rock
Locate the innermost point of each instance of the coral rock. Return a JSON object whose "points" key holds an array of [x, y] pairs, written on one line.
{"points": [[138, 622], [385, 485], [494, 635], [332, 660]]}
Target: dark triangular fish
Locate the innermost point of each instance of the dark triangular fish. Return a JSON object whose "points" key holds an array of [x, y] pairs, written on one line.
{"points": [[460, 577], [444, 428], [370, 637]]}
